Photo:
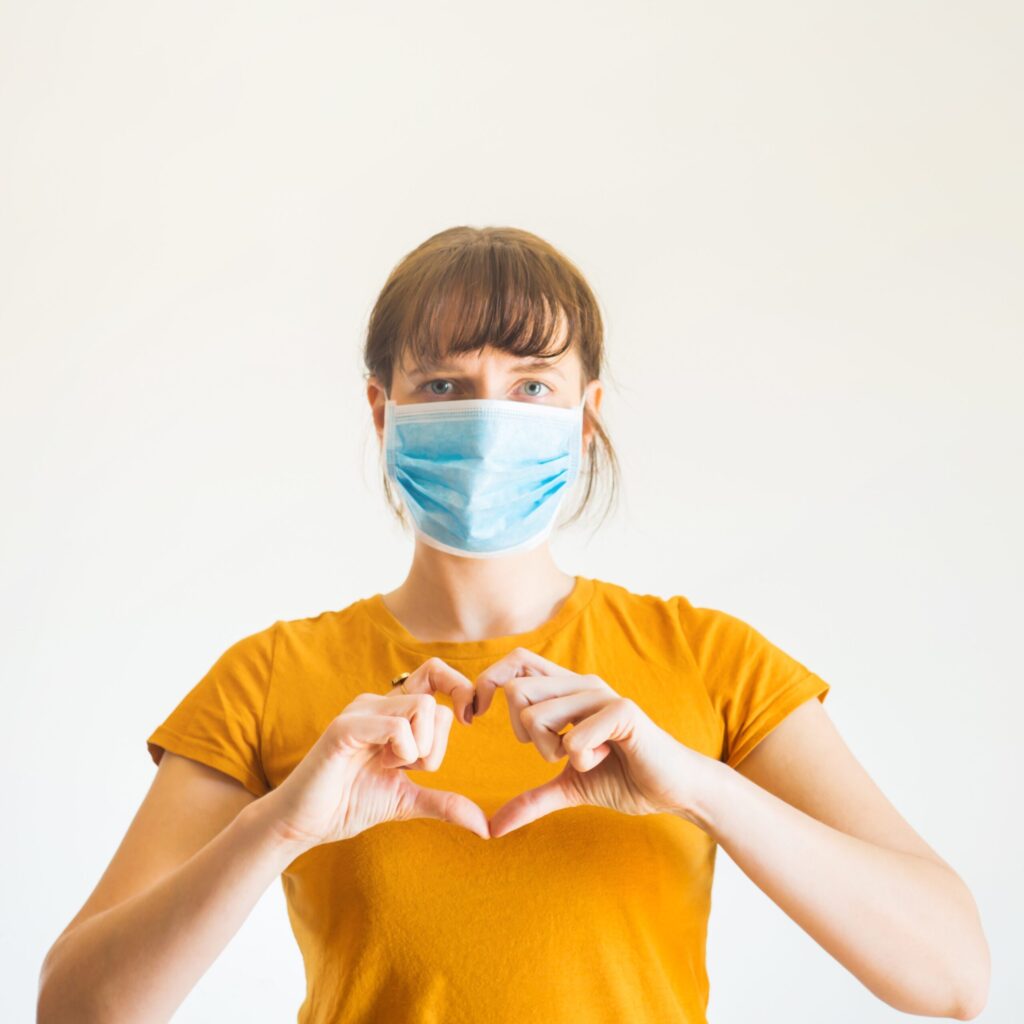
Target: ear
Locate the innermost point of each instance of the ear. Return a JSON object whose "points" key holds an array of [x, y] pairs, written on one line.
{"points": [[595, 393], [376, 395]]}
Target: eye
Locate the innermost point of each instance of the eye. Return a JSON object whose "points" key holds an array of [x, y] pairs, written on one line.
{"points": [[536, 394], [430, 385]]}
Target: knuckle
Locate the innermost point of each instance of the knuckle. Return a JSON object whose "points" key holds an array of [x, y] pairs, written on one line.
{"points": [[449, 807], [337, 732], [340, 721]]}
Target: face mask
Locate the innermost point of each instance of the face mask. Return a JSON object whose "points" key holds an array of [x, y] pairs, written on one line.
{"points": [[481, 476]]}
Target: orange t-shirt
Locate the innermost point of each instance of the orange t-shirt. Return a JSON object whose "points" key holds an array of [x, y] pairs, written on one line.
{"points": [[585, 914]]}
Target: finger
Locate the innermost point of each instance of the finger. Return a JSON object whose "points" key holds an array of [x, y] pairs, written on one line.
{"points": [[421, 717], [392, 732], [437, 676], [443, 718], [518, 662], [545, 722], [443, 805], [554, 795], [522, 692], [418, 708], [431, 760], [589, 743]]}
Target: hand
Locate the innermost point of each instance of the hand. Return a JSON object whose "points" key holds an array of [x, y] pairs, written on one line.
{"points": [[618, 757], [352, 778]]}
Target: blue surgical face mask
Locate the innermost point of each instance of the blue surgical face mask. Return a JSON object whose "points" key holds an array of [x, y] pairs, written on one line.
{"points": [[482, 476]]}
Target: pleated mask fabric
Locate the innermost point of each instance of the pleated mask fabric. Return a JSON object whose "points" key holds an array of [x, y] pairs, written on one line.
{"points": [[479, 476]]}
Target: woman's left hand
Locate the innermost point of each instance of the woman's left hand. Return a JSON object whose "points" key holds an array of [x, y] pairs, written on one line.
{"points": [[618, 757]]}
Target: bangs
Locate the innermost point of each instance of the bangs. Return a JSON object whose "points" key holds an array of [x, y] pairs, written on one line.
{"points": [[471, 297]]}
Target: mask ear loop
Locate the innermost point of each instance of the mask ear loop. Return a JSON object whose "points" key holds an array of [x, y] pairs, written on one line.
{"points": [[389, 438], [579, 441]]}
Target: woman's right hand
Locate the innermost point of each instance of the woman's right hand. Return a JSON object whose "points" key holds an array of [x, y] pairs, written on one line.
{"points": [[353, 777]]}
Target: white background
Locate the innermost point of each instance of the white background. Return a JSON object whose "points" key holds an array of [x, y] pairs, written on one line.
{"points": [[804, 225]]}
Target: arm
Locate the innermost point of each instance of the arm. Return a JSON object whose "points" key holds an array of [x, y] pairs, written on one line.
{"points": [[197, 857], [803, 820]]}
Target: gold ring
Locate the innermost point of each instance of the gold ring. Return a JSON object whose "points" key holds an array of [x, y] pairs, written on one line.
{"points": [[400, 681]]}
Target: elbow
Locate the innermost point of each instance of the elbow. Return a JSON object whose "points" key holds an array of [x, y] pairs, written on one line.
{"points": [[968, 962], [47, 1009], [968, 982], [57, 1000], [971, 1007], [57, 1006], [955, 983], [974, 991], [975, 972], [51, 1007], [956, 997], [969, 1013]]}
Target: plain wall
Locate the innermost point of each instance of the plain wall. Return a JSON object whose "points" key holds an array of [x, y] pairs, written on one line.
{"points": [[804, 225]]}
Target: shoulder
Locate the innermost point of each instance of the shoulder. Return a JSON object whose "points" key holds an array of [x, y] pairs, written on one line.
{"points": [[655, 626], [617, 596], [321, 626], [673, 615], [729, 652], [327, 652]]}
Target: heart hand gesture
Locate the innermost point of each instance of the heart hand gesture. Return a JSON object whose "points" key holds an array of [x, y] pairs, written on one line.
{"points": [[618, 757]]}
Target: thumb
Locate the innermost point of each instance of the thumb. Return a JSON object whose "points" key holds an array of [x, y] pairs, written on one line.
{"points": [[442, 805], [553, 795]]}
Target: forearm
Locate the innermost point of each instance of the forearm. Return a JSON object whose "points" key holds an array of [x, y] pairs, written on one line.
{"points": [[906, 926], [138, 960]]}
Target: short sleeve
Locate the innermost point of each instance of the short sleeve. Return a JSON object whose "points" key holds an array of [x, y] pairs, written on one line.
{"points": [[218, 722], [752, 684]]}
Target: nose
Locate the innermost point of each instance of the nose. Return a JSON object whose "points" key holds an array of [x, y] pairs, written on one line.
{"points": [[487, 384]]}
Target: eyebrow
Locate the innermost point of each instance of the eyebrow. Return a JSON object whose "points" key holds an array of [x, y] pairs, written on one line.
{"points": [[533, 364]]}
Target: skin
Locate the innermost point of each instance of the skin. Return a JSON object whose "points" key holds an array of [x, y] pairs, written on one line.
{"points": [[799, 815]]}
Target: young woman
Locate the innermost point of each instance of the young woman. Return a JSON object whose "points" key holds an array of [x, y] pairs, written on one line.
{"points": [[447, 855]]}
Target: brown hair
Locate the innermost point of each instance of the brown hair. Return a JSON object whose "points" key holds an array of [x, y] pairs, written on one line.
{"points": [[467, 288]]}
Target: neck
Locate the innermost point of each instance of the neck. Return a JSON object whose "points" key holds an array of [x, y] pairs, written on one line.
{"points": [[450, 598]]}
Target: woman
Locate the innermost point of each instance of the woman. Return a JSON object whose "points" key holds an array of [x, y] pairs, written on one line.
{"points": [[437, 863]]}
